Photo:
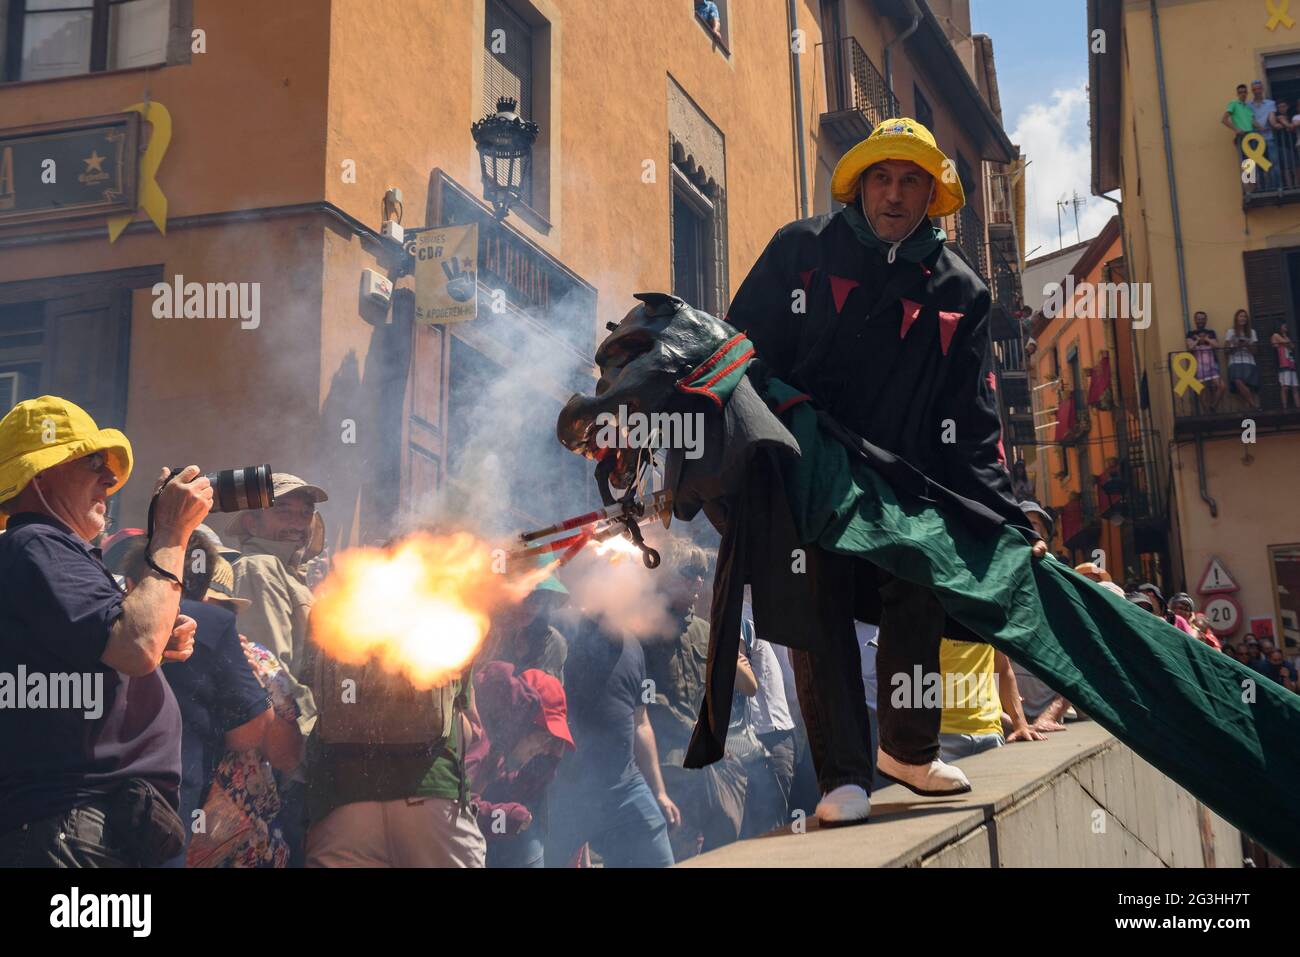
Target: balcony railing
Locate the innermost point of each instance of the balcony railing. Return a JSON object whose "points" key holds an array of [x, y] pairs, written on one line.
{"points": [[1001, 208], [867, 91], [1281, 183], [1022, 430], [1219, 406], [1006, 287], [860, 97], [970, 237]]}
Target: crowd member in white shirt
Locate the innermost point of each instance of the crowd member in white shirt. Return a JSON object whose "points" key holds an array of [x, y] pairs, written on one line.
{"points": [[767, 800]]}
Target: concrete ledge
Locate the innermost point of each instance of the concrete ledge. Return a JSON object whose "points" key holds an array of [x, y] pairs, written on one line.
{"points": [[1079, 799]]}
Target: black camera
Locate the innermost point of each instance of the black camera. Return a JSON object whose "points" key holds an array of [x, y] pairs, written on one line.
{"points": [[234, 490]]}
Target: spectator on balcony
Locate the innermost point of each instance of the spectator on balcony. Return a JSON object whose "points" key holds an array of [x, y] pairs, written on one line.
{"points": [[707, 11], [1239, 117], [1287, 380], [1243, 371], [1264, 111], [1204, 344], [1282, 120], [1283, 131]]}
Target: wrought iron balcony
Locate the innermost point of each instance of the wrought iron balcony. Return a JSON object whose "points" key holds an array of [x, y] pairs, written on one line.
{"points": [[1005, 285], [859, 97], [1278, 185], [970, 237], [1218, 406], [1001, 207]]}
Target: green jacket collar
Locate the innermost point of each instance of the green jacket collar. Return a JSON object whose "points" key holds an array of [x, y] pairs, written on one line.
{"points": [[922, 242]]}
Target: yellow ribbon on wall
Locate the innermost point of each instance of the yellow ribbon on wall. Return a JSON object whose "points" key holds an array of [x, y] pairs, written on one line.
{"points": [[1278, 14], [152, 200]]}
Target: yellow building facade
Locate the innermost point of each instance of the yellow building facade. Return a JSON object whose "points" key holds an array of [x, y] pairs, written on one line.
{"points": [[1209, 234]]}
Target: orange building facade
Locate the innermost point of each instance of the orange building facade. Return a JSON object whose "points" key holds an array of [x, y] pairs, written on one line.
{"points": [[256, 147], [1091, 467]]}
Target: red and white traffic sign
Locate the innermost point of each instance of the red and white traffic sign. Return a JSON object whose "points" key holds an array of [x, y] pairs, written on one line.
{"points": [[1223, 614], [1215, 578]]}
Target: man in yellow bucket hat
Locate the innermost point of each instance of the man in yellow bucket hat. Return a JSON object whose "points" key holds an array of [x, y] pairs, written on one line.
{"points": [[885, 327], [90, 732]]}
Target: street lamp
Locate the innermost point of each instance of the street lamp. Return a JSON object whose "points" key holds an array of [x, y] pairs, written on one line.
{"points": [[505, 147]]}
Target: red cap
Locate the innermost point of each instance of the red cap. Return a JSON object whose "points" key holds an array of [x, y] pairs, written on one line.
{"points": [[554, 714]]}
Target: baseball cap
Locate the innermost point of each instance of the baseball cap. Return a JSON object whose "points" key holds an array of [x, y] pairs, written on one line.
{"points": [[1150, 589], [1141, 600], [553, 715]]}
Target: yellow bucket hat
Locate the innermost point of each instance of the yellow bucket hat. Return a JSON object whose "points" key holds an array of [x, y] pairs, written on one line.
{"points": [[901, 138], [38, 434]]}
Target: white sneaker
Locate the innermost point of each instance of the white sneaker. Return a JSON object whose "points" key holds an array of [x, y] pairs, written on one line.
{"points": [[935, 779], [847, 804]]}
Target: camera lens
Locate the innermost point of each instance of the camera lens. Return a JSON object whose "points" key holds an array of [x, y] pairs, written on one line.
{"points": [[234, 490]]}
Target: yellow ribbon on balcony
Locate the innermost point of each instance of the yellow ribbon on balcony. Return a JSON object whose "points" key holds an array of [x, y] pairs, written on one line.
{"points": [[1252, 145], [1183, 365], [1278, 14], [152, 199]]}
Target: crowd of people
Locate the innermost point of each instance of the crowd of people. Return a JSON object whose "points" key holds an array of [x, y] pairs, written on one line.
{"points": [[1275, 122], [175, 710], [562, 744]]}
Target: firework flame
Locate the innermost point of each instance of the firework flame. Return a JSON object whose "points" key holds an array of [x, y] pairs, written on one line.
{"points": [[618, 548], [420, 608]]}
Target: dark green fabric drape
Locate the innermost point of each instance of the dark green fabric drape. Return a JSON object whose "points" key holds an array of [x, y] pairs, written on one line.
{"points": [[1224, 732]]}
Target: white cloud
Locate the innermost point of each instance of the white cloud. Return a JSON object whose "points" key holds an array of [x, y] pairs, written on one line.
{"points": [[1053, 136]]}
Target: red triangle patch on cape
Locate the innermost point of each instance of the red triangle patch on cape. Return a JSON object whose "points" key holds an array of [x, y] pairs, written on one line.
{"points": [[910, 311], [947, 328], [806, 278], [840, 289]]}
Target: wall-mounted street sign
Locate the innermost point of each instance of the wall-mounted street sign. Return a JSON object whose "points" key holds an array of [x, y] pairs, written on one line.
{"points": [[1215, 578], [83, 167], [446, 274], [1223, 614]]}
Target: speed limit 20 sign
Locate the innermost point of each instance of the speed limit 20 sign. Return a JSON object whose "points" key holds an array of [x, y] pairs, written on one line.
{"points": [[1223, 614]]}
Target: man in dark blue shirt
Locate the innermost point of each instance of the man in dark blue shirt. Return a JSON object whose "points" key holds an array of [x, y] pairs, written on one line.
{"points": [[85, 782], [609, 792], [223, 706]]}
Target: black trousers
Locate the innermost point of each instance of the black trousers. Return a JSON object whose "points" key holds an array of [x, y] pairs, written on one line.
{"points": [[832, 698], [75, 838]]}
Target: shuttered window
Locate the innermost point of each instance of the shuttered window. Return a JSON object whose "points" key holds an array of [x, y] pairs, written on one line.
{"points": [[1268, 291], [508, 65]]}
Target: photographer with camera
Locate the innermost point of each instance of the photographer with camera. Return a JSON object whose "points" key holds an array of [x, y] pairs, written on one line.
{"points": [[95, 784], [276, 545]]}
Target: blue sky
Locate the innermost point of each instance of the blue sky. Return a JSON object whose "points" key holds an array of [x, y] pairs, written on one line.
{"points": [[1041, 51]]}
